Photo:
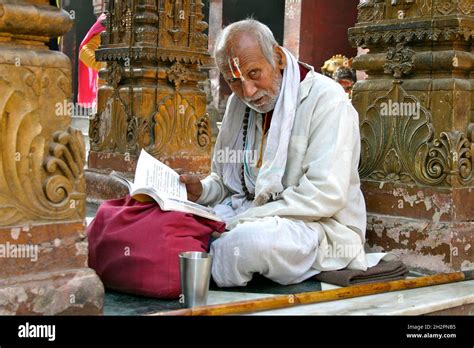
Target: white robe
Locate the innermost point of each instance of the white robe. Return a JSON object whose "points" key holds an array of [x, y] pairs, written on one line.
{"points": [[319, 222]]}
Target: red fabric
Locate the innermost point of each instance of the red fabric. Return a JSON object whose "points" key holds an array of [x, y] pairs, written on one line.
{"points": [[134, 246], [87, 77], [303, 71]]}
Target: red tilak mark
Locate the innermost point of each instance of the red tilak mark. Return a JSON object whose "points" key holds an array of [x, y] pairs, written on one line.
{"points": [[234, 68]]}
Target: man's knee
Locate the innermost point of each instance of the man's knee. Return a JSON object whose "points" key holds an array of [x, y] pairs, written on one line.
{"points": [[246, 245]]}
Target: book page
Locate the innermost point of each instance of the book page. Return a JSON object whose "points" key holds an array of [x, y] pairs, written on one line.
{"points": [[152, 173]]}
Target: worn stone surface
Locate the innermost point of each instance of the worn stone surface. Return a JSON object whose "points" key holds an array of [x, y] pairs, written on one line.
{"points": [[411, 201], [101, 186], [71, 292], [422, 244], [417, 127], [43, 246]]}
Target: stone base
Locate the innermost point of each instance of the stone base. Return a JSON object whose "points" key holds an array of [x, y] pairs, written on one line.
{"points": [[43, 271], [101, 186], [126, 163], [423, 245], [71, 292]]}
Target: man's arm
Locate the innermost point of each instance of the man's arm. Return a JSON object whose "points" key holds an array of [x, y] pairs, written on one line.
{"points": [[328, 165], [213, 190]]}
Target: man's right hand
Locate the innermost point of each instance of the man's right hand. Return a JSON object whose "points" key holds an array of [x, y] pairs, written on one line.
{"points": [[193, 186]]}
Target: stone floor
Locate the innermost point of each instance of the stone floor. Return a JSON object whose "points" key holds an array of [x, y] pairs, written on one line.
{"points": [[456, 298]]}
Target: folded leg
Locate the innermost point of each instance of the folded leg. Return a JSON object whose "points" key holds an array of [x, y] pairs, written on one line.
{"points": [[280, 249]]}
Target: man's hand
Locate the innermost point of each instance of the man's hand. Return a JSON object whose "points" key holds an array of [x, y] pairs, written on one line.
{"points": [[193, 186]]}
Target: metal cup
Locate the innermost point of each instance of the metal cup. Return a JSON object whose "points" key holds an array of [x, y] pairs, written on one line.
{"points": [[195, 268]]}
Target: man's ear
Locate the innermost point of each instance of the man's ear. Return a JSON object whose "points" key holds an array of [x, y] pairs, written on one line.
{"points": [[280, 58]]}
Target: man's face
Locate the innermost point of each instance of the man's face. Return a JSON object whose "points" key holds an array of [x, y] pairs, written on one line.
{"points": [[250, 76]]}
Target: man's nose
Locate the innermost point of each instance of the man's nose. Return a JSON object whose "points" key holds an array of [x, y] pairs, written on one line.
{"points": [[249, 89]]}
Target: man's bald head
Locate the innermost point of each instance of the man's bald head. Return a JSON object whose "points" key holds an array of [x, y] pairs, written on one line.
{"points": [[250, 30]]}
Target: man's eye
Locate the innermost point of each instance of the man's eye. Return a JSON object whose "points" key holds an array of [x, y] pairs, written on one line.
{"points": [[233, 80], [254, 74]]}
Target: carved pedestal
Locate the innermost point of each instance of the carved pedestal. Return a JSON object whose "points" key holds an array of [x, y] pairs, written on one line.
{"points": [[417, 127], [152, 100], [43, 246]]}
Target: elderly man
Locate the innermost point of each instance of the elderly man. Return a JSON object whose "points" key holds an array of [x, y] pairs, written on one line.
{"points": [[293, 206]]}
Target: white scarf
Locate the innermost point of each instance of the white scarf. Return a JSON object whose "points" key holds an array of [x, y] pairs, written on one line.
{"points": [[269, 180]]}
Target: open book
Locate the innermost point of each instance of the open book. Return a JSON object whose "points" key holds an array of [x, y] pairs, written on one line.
{"points": [[155, 180]]}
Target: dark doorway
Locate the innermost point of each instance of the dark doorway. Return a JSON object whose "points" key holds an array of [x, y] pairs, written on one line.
{"points": [[269, 12]]}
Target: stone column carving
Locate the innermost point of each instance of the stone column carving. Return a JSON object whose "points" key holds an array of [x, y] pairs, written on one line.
{"points": [[417, 128], [43, 247], [152, 100]]}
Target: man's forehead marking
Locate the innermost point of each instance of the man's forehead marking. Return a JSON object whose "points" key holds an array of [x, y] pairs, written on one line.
{"points": [[235, 68]]}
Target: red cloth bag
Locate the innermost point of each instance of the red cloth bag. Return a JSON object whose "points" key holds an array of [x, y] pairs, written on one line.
{"points": [[134, 246]]}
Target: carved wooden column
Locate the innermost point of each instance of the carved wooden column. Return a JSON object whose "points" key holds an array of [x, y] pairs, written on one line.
{"points": [[43, 247], [153, 51], [417, 128]]}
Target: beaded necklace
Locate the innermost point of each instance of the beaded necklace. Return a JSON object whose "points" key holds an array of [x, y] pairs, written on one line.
{"points": [[250, 196]]}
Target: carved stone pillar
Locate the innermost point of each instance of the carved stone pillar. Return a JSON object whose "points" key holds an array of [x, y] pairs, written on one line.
{"points": [[43, 247], [152, 100], [417, 128]]}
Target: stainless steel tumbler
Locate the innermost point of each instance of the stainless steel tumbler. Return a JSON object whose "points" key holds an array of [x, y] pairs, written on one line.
{"points": [[195, 269]]}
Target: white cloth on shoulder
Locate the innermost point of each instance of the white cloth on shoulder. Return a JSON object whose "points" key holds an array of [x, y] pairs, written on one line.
{"points": [[268, 183]]}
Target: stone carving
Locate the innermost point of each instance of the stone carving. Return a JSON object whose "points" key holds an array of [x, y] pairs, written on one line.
{"points": [[42, 181], [152, 98], [416, 168], [401, 145], [447, 7], [177, 74], [413, 35], [378, 10], [450, 156], [399, 60], [41, 172], [371, 10]]}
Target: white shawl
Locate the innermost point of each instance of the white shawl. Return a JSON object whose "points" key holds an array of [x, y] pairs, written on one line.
{"points": [[269, 180]]}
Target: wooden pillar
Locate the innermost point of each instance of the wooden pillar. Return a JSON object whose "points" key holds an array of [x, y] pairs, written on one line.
{"points": [[43, 245], [152, 100], [417, 128]]}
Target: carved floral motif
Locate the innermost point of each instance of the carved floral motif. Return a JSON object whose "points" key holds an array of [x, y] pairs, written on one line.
{"points": [[404, 148], [400, 61], [41, 174]]}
